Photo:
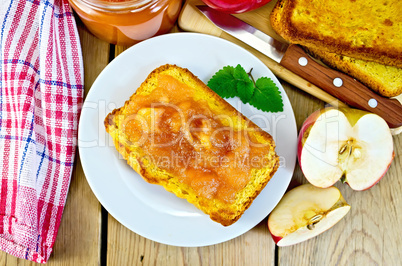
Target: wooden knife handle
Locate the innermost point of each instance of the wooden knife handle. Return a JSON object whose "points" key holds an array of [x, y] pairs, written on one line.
{"points": [[342, 86]]}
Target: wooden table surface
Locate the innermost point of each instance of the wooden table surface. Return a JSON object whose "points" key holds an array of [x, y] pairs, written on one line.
{"points": [[370, 234]]}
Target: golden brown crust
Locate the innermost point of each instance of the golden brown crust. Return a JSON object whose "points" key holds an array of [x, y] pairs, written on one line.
{"points": [[385, 80], [367, 30], [219, 211], [276, 19]]}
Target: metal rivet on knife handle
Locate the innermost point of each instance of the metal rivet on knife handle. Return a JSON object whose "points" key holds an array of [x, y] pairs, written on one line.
{"points": [[303, 61], [372, 103], [338, 82], [352, 92]]}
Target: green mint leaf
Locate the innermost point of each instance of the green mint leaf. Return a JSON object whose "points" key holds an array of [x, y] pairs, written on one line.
{"points": [[245, 91], [232, 81], [245, 86], [267, 96], [224, 83], [240, 74]]}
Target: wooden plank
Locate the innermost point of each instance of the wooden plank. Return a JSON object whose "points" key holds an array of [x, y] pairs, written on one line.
{"points": [[127, 248], [369, 235]]}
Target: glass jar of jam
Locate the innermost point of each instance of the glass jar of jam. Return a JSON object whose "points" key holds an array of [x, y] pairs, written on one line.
{"points": [[126, 22]]}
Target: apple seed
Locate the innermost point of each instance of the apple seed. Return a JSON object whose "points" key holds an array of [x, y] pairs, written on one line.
{"points": [[313, 221], [343, 149]]}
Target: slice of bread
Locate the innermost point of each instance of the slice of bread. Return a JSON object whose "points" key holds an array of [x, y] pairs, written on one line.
{"points": [[385, 80], [364, 29], [176, 132]]}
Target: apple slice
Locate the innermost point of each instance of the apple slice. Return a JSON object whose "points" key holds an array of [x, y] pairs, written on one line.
{"points": [[347, 144], [304, 212]]}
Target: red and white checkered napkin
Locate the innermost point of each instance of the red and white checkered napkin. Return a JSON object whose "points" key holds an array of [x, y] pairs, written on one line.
{"points": [[40, 99]]}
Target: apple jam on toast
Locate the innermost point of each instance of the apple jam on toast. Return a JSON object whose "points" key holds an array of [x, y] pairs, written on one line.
{"points": [[176, 132]]}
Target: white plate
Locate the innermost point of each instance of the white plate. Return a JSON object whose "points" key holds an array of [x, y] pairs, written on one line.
{"points": [[148, 209]]}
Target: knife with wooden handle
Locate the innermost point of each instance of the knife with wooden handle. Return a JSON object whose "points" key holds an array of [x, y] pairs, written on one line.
{"points": [[295, 59]]}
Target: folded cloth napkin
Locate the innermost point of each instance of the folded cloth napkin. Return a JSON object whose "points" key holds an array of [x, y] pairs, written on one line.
{"points": [[41, 91]]}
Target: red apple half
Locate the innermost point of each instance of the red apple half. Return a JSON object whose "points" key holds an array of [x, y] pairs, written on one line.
{"points": [[345, 144], [304, 212]]}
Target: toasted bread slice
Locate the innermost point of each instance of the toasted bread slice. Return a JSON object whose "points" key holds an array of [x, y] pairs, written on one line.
{"points": [[176, 132], [385, 80], [363, 29]]}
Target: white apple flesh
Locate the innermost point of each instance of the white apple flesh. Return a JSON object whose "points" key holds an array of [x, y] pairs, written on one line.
{"points": [[347, 144], [305, 212]]}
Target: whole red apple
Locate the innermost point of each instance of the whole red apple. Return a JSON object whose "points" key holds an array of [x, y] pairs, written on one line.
{"points": [[235, 6]]}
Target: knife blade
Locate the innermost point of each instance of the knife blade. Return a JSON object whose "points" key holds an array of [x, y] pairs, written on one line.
{"points": [[295, 59]]}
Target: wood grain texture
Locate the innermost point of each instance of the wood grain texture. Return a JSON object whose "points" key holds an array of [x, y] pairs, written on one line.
{"points": [[127, 248], [370, 234]]}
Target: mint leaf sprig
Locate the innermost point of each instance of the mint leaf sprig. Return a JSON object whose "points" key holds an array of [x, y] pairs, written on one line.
{"points": [[263, 94]]}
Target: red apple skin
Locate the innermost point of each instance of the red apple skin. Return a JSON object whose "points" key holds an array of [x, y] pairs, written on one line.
{"points": [[308, 123], [235, 6], [274, 237]]}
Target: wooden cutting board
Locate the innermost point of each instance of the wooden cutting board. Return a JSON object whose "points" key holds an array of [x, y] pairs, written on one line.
{"points": [[191, 19]]}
